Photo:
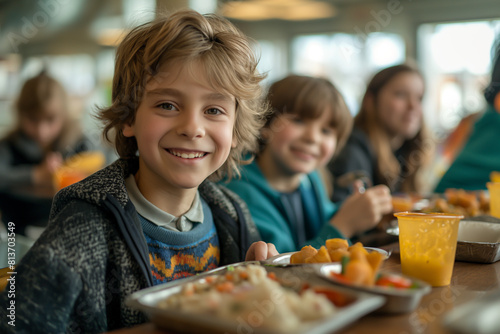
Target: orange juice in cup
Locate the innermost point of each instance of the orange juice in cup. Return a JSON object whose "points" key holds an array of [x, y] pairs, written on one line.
{"points": [[494, 189], [427, 243]]}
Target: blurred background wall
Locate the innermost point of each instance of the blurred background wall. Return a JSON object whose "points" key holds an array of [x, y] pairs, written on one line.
{"points": [[344, 40]]}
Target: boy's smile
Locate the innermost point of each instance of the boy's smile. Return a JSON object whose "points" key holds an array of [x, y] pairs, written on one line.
{"points": [[186, 154], [304, 153], [184, 132]]}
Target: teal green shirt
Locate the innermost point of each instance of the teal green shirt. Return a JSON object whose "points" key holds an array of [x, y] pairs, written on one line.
{"points": [[274, 221], [479, 157]]}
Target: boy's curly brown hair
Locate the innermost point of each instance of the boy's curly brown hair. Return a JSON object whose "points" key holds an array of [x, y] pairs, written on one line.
{"points": [[187, 36]]}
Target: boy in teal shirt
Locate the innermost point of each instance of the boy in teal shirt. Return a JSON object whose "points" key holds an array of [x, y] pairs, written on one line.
{"points": [[283, 188]]}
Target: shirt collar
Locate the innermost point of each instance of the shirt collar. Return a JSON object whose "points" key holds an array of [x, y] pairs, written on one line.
{"points": [[159, 217]]}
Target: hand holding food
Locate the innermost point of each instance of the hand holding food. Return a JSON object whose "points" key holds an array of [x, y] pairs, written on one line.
{"points": [[43, 173], [375, 201]]}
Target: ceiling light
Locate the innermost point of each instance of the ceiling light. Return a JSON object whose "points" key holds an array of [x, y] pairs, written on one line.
{"points": [[277, 9], [111, 36]]}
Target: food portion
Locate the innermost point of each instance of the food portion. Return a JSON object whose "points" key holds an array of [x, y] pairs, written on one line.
{"points": [[358, 266], [245, 291], [403, 203], [460, 201], [383, 280], [361, 268], [333, 251], [78, 167]]}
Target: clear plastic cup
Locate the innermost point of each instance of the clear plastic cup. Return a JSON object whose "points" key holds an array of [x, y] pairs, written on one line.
{"points": [[494, 189], [427, 243]]}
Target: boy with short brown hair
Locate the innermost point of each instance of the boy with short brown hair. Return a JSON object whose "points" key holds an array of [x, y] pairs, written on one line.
{"points": [[184, 108]]}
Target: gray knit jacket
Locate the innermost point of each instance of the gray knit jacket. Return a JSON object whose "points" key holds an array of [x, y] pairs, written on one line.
{"points": [[93, 254]]}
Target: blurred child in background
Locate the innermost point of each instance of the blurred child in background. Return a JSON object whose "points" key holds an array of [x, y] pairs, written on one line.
{"points": [[283, 188], [389, 142], [44, 135]]}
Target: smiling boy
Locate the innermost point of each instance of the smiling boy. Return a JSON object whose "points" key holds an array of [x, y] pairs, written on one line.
{"points": [[283, 187], [184, 108]]}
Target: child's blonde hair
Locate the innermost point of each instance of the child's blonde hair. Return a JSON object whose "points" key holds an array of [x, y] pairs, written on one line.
{"points": [[309, 98], [228, 60]]}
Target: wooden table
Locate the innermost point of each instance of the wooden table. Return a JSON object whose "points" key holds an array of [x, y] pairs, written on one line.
{"points": [[469, 281]]}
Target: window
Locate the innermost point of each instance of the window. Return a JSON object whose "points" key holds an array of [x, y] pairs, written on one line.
{"points": [[346, 59], [456, 61]]}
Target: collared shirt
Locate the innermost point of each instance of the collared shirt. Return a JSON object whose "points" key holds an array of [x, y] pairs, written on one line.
{"points": [[161, 218]]}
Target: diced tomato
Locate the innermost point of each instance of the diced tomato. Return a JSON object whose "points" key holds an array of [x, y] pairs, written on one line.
{"points": [[304, 286], [272, 276], [337, 298], [394, 281], [339, 277], [229, 276], [225, 287], [243, 275], [210, 279]]}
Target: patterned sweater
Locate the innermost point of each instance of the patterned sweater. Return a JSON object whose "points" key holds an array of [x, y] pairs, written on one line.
{"points": [[174, 254], [93, 254]]}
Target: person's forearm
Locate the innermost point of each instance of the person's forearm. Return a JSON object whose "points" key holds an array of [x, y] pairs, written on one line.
{"points": [[341, 223]]}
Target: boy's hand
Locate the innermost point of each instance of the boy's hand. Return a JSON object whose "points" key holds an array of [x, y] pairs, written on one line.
{"points": [[260, 251], [363, 210]]}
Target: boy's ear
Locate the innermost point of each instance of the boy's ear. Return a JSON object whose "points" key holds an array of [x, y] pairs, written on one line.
{"points": [[128, 130]]}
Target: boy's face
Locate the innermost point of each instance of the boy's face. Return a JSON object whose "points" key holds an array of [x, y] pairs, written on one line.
{"points": [[298, 146], [183, 128]]}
